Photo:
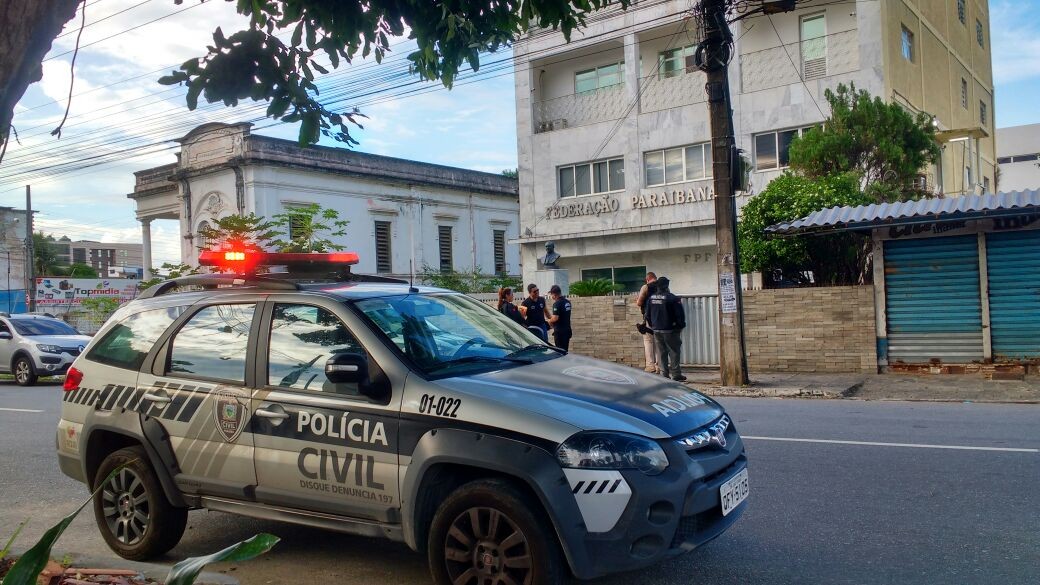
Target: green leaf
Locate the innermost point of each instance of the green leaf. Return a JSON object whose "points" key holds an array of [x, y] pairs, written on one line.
{"points": [[186, 571], [17, 531], [193, 94], [29, 566]]}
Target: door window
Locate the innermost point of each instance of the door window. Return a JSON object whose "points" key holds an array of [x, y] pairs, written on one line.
{"points": [[303, 338], [213, 344]]}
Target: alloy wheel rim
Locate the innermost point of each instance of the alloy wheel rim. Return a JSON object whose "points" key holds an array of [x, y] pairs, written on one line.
{"points": [[22, 371], [485, 547], [125, 506]]}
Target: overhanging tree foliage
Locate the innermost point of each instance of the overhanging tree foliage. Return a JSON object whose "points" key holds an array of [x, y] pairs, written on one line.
{"points": [[831, 259], [254, 64], [882, 143]]}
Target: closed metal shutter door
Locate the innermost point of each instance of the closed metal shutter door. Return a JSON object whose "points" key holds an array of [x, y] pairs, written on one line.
{"points": [[933, 300], [1013, 263]]}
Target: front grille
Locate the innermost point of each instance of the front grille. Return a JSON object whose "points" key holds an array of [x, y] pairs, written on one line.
{"points": [[689, 526], [73, 351], [711, 434]]}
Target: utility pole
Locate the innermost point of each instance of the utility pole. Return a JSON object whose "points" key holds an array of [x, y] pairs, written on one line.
{"points": [[30, 253], [712, 57]]}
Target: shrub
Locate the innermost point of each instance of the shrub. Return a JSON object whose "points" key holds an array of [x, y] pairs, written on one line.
{"points": [[595, 287]]}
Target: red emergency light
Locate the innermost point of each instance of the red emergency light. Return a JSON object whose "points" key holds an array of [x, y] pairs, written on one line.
{"points": [[246, 261]]}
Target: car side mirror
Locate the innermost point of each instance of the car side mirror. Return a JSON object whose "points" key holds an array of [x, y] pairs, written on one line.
{"points": [[347, 368], [5, 335]]}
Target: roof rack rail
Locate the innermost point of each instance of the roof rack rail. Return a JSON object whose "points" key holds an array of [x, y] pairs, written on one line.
{"points": [[215, 281]]}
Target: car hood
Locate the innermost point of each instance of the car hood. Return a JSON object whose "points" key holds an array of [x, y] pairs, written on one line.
{"points": [[60, 340], [595, 395]]}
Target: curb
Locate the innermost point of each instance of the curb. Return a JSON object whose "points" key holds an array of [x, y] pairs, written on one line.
{"points": [[946, 400]]}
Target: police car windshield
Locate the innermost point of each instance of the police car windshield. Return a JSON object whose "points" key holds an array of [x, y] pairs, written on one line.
{"points": [[448, 334], [32, 327]]}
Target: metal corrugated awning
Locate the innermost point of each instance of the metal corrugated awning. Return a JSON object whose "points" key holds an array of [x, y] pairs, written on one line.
{"points": [[865, 217]]}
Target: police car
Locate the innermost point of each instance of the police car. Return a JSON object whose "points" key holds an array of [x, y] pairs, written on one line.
{"points": [[368, 406]]}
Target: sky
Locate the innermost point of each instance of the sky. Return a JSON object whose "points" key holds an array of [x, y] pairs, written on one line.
{"points": [[118, 106]]}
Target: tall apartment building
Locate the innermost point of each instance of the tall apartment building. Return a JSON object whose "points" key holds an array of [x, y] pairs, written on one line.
{"points": [[613, 132], [111, 260], [1018, 157]]}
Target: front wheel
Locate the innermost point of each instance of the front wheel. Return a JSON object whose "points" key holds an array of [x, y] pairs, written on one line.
{"points": [[489, 533], [24, 373], [131, 510]]}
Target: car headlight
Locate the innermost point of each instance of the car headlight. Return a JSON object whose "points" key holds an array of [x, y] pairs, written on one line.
{"points": [[45, 348], [603, 450]]}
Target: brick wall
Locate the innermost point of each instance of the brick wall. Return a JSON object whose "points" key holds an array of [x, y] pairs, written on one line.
{"points": [[825, 329]]}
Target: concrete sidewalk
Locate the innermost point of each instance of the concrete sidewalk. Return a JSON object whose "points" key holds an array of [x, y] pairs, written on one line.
{"points": [[914, 387]]}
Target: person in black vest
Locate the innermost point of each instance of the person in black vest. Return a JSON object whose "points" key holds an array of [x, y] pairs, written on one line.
{"points": [[666, 317], [506, 306], [561, 318], [535, 312]]}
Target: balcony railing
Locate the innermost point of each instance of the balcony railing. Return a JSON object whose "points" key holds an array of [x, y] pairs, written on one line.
{"points": [[579, 109], [814, 58], [662, 93]]}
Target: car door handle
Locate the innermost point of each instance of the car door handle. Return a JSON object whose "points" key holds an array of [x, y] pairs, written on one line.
{"points": [[157, 398], [271, 414]]}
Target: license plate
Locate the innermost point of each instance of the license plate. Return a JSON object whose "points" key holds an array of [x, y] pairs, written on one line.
{"points": [[734, 491]]}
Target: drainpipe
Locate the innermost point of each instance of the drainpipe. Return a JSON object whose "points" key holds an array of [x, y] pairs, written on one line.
{"points": [[240, 189], [473, 233]]}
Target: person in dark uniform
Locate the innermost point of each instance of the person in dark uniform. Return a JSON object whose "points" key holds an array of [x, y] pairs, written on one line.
{"points": [[666, 317], [506, 306], [535, 311], [561, 318]]}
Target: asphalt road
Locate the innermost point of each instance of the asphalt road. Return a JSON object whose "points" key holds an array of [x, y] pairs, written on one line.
{"points": [[826, 513]]}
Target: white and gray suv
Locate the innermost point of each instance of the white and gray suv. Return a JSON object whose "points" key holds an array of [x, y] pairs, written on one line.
{"points": [[32, 346], [380, 409]]}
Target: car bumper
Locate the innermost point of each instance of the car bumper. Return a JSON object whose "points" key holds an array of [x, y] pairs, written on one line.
{"points": [[53, 364], [667, 515]]}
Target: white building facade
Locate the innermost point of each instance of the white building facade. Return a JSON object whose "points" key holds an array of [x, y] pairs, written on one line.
{"points": [[401, 212], [615, 162], [1018, 157]]}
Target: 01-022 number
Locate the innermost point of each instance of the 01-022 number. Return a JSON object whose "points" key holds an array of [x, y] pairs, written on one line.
{"points": [[439, 405]]}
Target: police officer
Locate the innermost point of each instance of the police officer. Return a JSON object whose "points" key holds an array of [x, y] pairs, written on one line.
{"points": [[561, 318], [667, 319], [649, 345], [536, 313]]}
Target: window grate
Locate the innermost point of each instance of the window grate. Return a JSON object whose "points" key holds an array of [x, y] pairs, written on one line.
{"points": [[444, 247], [384, 263], [500, 251]]}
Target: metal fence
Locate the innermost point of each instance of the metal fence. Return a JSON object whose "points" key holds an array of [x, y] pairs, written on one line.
{"points": [[701, 337]]}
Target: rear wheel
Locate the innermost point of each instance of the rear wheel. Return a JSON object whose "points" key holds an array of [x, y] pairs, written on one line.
{"points": [[24, 373], [131, 510], [489, 533]]}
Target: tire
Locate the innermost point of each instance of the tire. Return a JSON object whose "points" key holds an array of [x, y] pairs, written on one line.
{"points": [[521, 549], [24, 372], [131, 509]]}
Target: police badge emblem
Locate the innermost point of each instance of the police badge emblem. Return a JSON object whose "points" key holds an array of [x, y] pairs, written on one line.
{"points": [[229, 413]]}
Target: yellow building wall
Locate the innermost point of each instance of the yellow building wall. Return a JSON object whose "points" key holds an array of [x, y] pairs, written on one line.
{"points": [[945, 51]]}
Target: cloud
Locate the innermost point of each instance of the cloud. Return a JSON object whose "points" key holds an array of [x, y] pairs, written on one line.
{"points": [[1015, 38]]}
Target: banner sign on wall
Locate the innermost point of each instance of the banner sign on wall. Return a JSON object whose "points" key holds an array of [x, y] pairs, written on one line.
{"points": [[70, 292]]}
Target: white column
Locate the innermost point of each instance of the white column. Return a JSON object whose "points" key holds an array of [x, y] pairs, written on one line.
{"points": [[146, 239]]}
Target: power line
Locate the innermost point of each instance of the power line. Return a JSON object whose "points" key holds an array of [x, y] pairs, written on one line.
{"points": [[114, 14], [257, 107]]}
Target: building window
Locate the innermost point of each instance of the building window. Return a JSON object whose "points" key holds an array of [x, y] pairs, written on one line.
{"points": [[979, 35], [962, 11], [297, 224], [588, 178], [985, 184], [964, 93], [631, 278], [676, 62], [599, 77], [676, 165], [983, 114], [772, 148], [814, 46], [1003, 160], [444, 247], [384, 262], [499, 245], [908, 45]]}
